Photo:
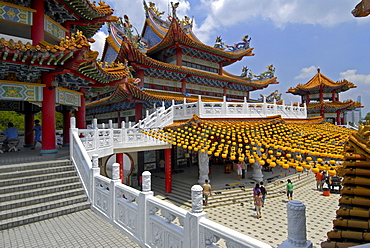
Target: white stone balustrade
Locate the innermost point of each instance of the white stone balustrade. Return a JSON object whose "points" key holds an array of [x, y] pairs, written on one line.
{"points": [[151, 222]]}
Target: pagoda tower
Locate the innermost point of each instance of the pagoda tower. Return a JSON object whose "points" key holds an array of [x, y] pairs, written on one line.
{"points": [[321, 96]]}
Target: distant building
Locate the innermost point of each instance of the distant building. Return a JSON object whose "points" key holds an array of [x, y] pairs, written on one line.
{"points": [[321, 95], [354, 116]]}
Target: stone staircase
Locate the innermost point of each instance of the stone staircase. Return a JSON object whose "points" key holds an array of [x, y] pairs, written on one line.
{"points": [[36, 191], [236, 194]]}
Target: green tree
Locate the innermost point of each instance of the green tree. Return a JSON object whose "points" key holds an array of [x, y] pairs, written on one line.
{"points": [[367, 117]]}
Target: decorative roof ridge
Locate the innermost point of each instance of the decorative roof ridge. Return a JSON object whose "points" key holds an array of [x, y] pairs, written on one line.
{"points": [[176, 33]]}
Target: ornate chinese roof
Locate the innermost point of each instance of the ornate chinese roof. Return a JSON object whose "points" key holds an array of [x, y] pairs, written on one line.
{"points": [[351, 226], [90, 17], [176, 36], [130, 92], [319, 81], [72, 58], [155, 68], [331, 107]]}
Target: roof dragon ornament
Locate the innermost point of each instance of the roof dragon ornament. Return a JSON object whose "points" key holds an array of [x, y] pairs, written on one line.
{"points": [[274, 95], [155, 9], [246, 73], [267, 74], [244, 44], [219, 43]]}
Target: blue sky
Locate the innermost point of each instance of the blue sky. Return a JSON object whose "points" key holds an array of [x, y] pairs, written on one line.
{"points": [[295, 36]]}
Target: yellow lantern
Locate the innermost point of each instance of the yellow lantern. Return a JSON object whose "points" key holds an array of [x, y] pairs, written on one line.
{"points": [[288, 155], [315, 170], [309, 159], [262, 162], [252, 161], [332, 162], [272, 164], [224, 155], [278, 154], [319, 160], [285, 166], [299, 168], [332, 172]]}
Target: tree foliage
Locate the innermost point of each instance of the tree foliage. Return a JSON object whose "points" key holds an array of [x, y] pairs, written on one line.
{"points": [[18, 120]]}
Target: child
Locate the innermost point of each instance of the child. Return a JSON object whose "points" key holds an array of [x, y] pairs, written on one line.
{"points": [[258, 204]]}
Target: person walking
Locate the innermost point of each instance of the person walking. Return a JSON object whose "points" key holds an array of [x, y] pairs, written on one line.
{"points": [[289, 190], [240, 170], [37, 129], [263, 192], [207, 191], [319, 182], [258, 204]]}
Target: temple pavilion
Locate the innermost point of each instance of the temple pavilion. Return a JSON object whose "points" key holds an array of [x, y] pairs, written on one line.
{"points": [[171, 63], [321, 95], [46, 63]]}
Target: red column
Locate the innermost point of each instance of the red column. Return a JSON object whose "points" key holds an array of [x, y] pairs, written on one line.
{"points": [[140, 74], [80, 115], [168, 170], [220, 68], [66, 126], [338, 117], [342, 119], [224, 93], [333, 96], [183, 85], [48, 116], [138, 112], [37, 29], [178, 56], [321, 95], [28, 126], [119, 159]]}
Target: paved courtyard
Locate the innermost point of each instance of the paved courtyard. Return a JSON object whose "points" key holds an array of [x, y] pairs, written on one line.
{"points": [[272, 227]]}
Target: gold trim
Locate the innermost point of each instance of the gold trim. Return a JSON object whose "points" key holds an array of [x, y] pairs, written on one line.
{"points": [[17, 6], [72, 91], [51, 20], [23, 83]]}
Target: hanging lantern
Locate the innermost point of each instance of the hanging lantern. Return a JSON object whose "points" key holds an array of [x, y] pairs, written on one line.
{"points": [[285, 166], [252, 161], [315, 170], [332, 172], [332, 161], [272, 164], [299, 168], [319, 160], [309, 159]]}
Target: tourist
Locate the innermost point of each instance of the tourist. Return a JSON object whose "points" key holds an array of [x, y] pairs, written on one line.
{"points": [[263, 192], [11, 135], [258, 204], [319, 182], [289, 190], [244, 169], [240, 170], [37, 129], [256, 190], [206, 192]]}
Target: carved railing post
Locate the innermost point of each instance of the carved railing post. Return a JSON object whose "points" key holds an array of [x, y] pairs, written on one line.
{"points": [[112, 198], [296, 212], [143, 208], [192, 234], [93, 172]]}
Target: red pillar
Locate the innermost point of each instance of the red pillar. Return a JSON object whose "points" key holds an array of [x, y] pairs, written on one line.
{"points": [[80, 115], [224, 93], [48, 116], [140, 74], [168, 170], [333, 96], [37, 29], [179, 57], [183, 85], [119, 119], [338, 117], [138, 112], [321, 95], [66, 126], [220, 68], [119, 159], [28, 126], [342, 119]]}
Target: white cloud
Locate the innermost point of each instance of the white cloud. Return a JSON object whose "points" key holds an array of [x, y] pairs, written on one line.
{"points": [[307, 72], [352, 76], [98, 45]]}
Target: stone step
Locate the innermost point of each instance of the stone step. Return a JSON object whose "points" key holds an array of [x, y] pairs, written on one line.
{"points": [[33, 185], [41, 199], [31, 192], [34, 165], [39, 191], [36, 178], [34, 172], [36, 208], [51, 213]]}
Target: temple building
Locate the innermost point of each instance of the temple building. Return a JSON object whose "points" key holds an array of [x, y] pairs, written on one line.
{"points": [[167, 58], [47, 65], [321, 95]]}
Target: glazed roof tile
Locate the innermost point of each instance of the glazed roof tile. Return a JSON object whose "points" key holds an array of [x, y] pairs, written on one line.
{"points": [[72, 53], [323, 82], [130, 92], [333, 106], [130, 53], [176, 34]]}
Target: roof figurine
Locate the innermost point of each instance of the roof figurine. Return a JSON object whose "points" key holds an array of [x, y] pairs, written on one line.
{"points": [[244, 44], [155, 9]]}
